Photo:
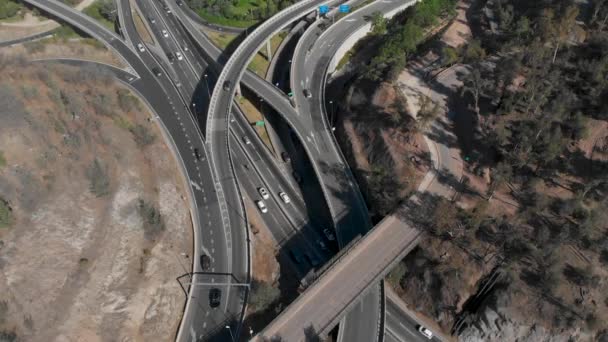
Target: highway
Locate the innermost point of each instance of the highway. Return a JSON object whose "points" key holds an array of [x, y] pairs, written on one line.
{"points": [[311, 59], [289, 223], [400, 327], [362, 266], [189, 73], [210, 235], [200, 320]]}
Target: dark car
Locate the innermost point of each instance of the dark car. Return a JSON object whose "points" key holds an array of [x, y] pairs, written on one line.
{"points": [[296, 256], [297, 177], [197, 154], [156, 71], [171, 57], [227, 85], [205, 262], [285, 157], [215, 297], [179, 2], [307, 93], [314, 261]]}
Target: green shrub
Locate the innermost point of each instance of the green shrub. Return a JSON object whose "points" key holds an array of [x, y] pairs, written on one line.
{"points": [[2, 160], [9, 8], [153, 221], [6, 214], [142, 135], [262, 295], [98, 179]]}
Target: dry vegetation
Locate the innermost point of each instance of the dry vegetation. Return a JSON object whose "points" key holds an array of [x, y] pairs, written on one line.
{"points": [[94, 220], [521, 251], [384, 148]]}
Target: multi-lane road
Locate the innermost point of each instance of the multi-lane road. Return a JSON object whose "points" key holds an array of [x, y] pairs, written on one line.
{"points": [[180, 95]]}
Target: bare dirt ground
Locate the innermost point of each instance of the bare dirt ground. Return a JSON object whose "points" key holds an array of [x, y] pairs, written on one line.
{"points": [[86, 49], [79, 262], [376, 132], [31, 24]]}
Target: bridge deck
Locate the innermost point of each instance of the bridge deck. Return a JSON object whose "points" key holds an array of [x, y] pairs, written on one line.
{"points": [[322, 305]]}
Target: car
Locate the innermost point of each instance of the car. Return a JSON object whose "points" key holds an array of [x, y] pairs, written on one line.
{"points": [[314, 261], [246, 141], [285, 157], [329, 235], [425, 332], [141, 47], [179, 3], [179, 56], [227, 85], [197, 154], [215, 297], [166, 8], [205, 262], [157, 71], [185, 47], [284, 197], [262, 206], [171, 57], [263, 193], [297, 177], [296, 256], [152, 20], [322, 245], [307, 93], [165, 33]]}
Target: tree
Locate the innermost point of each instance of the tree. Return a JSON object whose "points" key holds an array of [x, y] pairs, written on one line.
{"points": [[8, 8], [262, 295], [378, 23], [428, 112], [476, 85], [474, 52], [501, 174], [445, 216], [558, 28], [449, 56]]}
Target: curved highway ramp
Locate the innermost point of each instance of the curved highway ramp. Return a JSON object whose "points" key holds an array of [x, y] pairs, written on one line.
{"points": [[327, 300]]}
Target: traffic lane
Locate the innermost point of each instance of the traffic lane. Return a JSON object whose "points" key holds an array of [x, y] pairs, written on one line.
{"points": [[295, 219], [251, 183], [283, 232], [401, 326], [260, 153], [358, 323]]}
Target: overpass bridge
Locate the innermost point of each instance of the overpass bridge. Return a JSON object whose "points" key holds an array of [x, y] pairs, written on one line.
{"points": [[344, 282]]}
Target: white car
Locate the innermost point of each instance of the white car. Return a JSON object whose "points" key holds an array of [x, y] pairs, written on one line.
{"points": [[425, 332], [262, 206], [165, 33], [284, 197], [263, 193], [179, 56], [328, 234], [141, 47]]}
